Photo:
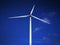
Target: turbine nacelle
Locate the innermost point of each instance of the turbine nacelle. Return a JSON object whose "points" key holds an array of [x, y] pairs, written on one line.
{"points": [[30, 15]]}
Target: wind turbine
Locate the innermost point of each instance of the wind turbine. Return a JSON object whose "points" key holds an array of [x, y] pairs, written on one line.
{"points": [[30, 22]]}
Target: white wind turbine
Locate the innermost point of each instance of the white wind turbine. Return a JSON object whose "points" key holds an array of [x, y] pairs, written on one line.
{"points": [[30, 24]]}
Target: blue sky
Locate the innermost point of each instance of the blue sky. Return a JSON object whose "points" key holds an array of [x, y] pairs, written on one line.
{"points": [[16, 31]]}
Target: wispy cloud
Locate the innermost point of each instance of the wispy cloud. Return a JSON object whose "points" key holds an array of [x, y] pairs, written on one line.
{"points": [[45, 38], [58, 43], [51, 14], [47, 42], [46, 19], [37, 29], [53, 34]]}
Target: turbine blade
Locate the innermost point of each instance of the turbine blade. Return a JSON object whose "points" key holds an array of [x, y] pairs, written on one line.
{"points": [[32, 10], [19, 16], [41, 19]]}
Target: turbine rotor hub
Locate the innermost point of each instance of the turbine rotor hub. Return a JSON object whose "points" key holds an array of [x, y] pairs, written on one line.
{"points": [[30, 15]]}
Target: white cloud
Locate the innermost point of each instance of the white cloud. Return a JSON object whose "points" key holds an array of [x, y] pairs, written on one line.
{"points": [[47, 20], [58, 43], [44, 38], [37, 29], [51, 14], [53, 34]]}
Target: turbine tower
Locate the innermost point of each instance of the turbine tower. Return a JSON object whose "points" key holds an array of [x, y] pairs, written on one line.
{"points": [[30, 22]]}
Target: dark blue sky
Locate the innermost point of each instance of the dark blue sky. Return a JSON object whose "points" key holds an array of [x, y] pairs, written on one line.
{"points": [[16, 31]]}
